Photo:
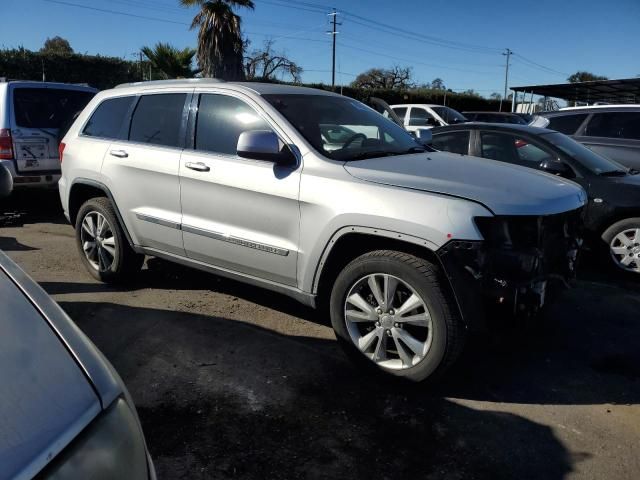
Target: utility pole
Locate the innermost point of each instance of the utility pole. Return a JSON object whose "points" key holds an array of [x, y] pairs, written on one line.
{"points": [[141, 71], [333, 33], [507, 53]]}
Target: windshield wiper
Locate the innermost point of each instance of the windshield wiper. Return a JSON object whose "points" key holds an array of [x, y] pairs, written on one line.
{"points": [[613, 173], [373, 154], [414, 150]]}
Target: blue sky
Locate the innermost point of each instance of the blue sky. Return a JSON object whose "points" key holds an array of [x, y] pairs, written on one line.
{"points": [[459, 41]]}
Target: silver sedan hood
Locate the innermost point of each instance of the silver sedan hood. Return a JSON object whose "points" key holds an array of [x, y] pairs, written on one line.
{"points": [[503, 188]]}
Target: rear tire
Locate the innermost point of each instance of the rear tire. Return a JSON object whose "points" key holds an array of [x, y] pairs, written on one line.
{"points": [[622, 242], [103, 247], [391, 314]]}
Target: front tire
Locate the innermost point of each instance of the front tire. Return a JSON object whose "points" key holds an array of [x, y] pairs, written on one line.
{"points": [[391, 314], [103, 248], [623, 243]]}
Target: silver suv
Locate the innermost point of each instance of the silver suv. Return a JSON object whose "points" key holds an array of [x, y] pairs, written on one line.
{"points": [[318, 197]]}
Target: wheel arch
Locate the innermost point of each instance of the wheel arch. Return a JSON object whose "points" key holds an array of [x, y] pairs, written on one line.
{"points": [[83, 189], [615, 217], [351, 242]]}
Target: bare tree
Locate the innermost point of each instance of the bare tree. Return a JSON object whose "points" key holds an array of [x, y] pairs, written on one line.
{"points": [[266, 64], [396, 78]]}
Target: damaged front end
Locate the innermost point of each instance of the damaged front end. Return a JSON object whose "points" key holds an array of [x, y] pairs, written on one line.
{"points": [[521, 263]]}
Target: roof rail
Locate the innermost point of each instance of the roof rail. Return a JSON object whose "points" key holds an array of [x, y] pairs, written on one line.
{"points": [[180, 81]]}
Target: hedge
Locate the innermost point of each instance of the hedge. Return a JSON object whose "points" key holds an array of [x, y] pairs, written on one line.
{"points": [[107, 72]]}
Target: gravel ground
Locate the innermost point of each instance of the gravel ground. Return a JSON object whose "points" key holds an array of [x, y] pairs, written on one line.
{"points": [[235, 382]]}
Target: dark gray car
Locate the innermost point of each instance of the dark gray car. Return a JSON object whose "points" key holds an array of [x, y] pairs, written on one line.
{"points": [[612, 131], [64, 411]]}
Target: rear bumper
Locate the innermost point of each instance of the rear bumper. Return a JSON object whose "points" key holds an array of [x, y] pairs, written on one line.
{"points": [[35, 179]]}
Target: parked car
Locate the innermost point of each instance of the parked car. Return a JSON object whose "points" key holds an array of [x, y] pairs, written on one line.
{"points": [[495, 117], [31, 116], [610, 130], [64, 411], [613, 212], [402, 245], [420, 116]]}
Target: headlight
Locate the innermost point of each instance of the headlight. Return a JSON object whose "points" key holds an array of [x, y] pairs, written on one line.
{"points": [[111, 447]]}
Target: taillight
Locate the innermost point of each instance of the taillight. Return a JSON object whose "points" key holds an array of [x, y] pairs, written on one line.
{"points": [[61, 150], [6, 144], [520, 143]]}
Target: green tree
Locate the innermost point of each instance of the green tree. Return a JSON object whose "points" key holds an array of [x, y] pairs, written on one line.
{"points": [[220, 45], [581, 76], [170, 61], [438, 84], [57, 45]]}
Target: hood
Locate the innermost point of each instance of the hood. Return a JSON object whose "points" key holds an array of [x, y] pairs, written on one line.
{"points": [[503, 188], [46, 398]]}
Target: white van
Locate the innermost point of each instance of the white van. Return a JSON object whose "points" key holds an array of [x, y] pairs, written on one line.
{"points": [[32, 115]]}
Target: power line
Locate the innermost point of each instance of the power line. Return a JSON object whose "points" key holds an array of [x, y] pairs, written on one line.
{"points": [[539, 66], [412, 61], [115, 12]]}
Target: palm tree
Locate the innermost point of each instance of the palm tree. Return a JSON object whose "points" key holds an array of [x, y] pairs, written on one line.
{"points": [[170, 61], [220, 45]]}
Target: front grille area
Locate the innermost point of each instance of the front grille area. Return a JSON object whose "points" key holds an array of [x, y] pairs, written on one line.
{"points": [[527, 247], [516, 268]]}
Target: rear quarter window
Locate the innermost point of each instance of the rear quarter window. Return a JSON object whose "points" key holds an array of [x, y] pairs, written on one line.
{"points": [[614, 125], [454, 142], [567, 124], [108, 118]]}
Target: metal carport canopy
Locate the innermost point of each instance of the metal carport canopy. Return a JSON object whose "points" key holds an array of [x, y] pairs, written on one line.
{"points": [[626, 90]]}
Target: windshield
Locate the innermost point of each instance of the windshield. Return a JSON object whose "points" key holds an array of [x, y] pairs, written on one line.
{"points": [[47, 107], [342, 128], [450, 115], [586, 157]]}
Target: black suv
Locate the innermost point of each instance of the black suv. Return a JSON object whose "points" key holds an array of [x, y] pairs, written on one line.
{"points": [[612, 131]]}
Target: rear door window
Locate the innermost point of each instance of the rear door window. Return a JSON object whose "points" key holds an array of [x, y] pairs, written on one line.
{"points": [[221, 120], [614, 125], [400, 112], [455, 142], [157, 119], [567, 124], [419, 117], [47, 107], [108, 118]]}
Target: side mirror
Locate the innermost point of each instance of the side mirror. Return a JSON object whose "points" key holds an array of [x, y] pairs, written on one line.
{"points": [[555, 167], [264, 145], [424, 136]]}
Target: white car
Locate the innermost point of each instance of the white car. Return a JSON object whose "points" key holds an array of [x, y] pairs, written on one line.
{"points": [[419, 115], [32, 115]]}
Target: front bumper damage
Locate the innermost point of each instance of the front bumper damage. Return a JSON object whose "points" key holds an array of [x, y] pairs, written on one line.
{"points": [[516, 270]]}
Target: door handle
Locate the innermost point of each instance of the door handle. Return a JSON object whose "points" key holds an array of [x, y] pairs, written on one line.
{"points": [[197, 166], [118, 153]]}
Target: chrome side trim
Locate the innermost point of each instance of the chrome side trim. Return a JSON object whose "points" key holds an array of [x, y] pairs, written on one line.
{"points": [[158, 221], [236, 240]]}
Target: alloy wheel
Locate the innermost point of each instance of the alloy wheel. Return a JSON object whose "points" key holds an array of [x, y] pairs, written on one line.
{"points": [[625, 249], [388, 321], [98, 242]]}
